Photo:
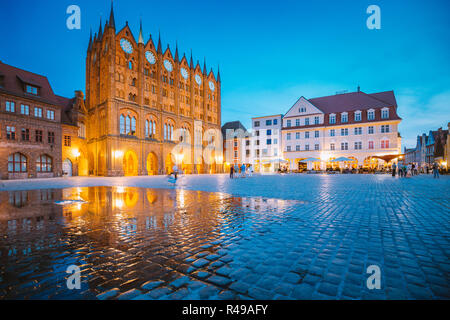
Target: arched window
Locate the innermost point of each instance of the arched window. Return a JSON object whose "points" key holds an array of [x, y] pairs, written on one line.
{"points": [[133, 82], [169, 134], [17, 162], [44, 163], [133, 125], [122, 124], [150, 128], [130, 65], [127, 124]]}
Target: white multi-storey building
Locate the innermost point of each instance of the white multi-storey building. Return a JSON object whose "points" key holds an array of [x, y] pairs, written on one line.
{"points": [[355, 125], [265, 144]]}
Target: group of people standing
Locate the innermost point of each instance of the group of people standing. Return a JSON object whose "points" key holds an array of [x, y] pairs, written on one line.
{"points": [[410, 169], [240, 171]]}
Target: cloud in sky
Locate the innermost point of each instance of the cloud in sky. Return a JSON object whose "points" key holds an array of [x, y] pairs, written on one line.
{"points": [[421, 115]]}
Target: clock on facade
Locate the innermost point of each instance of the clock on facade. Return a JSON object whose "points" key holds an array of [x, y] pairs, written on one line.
{"points": [[168, 65], [184, 73], [150, 57], [211, 86], [198, 79], [126, 45]]}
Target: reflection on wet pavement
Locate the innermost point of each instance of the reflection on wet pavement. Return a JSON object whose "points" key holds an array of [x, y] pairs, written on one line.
{"points": [[137, 243]]}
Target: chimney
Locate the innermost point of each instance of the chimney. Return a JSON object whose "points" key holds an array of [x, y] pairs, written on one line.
{"points": [[359, 89]]}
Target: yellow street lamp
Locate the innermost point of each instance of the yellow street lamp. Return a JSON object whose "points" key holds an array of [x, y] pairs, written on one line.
{"points": [[75, 153]]}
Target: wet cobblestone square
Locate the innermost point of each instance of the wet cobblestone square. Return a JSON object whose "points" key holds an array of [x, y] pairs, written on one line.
{"points": [[314, 242]]}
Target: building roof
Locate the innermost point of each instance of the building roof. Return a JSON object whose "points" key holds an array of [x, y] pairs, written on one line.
{"points": [[270, 116], [15, 79], [353, 101], [232, 125], [66, 106]]}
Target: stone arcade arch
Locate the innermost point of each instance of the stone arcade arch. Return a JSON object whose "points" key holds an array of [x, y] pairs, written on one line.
{"points": [[130, 163], [67, 167], [168, 163], [152, 164]]}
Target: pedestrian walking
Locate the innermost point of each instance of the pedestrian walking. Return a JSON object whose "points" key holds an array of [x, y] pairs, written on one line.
{"points": [[435, 171], [236, 170], [175, 171], [394, 169], [231, 172], [243, 170]]}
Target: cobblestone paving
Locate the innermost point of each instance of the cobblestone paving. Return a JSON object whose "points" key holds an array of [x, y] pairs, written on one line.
{"points": [[136, 243]]}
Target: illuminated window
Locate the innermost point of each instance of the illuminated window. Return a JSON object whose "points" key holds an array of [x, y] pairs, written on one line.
{"points": [[31, 89], [17, 162], [38, 112], [44, 164], [25, 109], [10, 106], [10, 133], [51, 114]]}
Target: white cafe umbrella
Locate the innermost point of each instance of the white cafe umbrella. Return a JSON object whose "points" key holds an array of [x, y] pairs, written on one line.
{"points": [[342, 159], [310, 160]]}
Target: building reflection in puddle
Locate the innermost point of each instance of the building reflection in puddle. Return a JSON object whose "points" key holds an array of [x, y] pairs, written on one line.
{"points": [[119, 234]]}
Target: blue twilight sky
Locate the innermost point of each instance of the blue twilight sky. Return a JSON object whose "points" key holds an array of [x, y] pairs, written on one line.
{"points": [[270, 52]]}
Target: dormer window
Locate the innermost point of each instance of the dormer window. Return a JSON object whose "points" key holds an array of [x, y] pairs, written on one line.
{"points": [[344, 117], [371, 114], [358, 116], [385, 113], [31, 89], [332, 118]]}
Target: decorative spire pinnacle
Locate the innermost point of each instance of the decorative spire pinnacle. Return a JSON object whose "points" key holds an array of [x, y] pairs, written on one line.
{"points": [[112, 22], [218, 73], [191, 63], [141, 38], [90, 41], [100, 33], [159, 50], [204, 66], [176, 51]]}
